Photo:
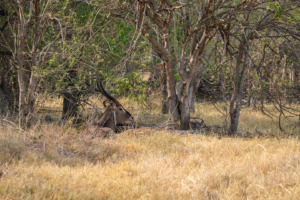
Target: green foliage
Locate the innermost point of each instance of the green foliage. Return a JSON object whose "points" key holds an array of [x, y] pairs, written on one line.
{"points": [[87, 39], [277, 7], [177, 76], [132, 84]]}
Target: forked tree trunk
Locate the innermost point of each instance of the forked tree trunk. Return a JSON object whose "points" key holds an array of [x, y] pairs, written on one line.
{"points": [[33, 82], [187, 89], [187, 92], [23, 23], [189, 74], [199, 38]]}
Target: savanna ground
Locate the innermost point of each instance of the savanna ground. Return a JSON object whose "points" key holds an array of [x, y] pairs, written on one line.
{"points": [[59, 162]]}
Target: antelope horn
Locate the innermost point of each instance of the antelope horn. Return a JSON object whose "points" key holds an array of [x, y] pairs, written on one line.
{"points": [[102, 90]]}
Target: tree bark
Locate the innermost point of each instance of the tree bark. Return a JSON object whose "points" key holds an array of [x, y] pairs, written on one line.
{"points": [[70, 105], [33, 82], [184, 106], [235, 103], [31, 92], [8, 100], [171, 88], [193, 90], [249, 86], [164, 92], [22, 87], [71, 97]]}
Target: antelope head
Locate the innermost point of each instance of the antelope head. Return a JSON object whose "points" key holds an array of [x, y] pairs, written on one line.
{"points": [[115, 112]]}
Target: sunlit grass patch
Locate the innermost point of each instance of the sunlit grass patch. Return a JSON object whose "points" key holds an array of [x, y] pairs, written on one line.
{"points": [[52, 161], [59, 162]]}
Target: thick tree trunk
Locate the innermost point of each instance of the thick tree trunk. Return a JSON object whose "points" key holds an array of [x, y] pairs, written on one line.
{"points": [[71, 98], [184, 106], [70, 105], [164, 92], [186, 92], [171, 88]]}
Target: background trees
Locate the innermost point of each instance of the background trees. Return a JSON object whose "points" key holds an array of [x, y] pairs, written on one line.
{"points": [[246, 49]]}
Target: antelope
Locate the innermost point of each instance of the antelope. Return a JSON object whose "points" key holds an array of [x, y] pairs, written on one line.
{"points": [[115, 113]]}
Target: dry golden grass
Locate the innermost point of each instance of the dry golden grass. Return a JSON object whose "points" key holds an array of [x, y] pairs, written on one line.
{"points": [[51, 162], [60, 162]]}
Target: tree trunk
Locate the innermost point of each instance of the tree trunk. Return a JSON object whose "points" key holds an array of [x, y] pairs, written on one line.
{"points": [[187, 88], [249, 86], [165, 107], [184, 106], [70, 105], [32, 82], [3, 104], [71, 97], [31, 99], [7, 97], [284, 68], [22, 88], [192, 91], [171, 88], [292, 74], [235, 103]]}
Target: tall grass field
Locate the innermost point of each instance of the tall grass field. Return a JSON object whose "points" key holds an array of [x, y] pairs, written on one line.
{"points": [[51, 161]]}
